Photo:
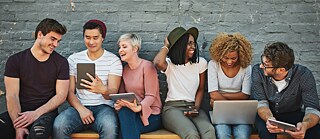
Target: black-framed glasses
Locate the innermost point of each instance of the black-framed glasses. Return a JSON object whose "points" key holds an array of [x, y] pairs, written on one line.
{"points": [[264, 66]]}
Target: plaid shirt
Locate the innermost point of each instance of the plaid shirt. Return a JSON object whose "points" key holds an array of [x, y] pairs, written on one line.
{"points": [[300, 91]]}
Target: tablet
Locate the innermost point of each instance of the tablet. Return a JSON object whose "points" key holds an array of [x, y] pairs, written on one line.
{"points": [[283, 125], [125, 96], [82, 69]]}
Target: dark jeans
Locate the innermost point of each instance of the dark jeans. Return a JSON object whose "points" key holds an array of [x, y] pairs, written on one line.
{"points": [[40, 129], [131, 125], [290, 117]]}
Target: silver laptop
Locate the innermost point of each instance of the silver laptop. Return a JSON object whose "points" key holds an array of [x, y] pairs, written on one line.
{"points": [[234, 112]]}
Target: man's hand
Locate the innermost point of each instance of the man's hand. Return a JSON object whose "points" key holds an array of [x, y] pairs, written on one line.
{"points": [[272, 128], [301, 131], [96, 86], [20, 132], [86, 115], [25, 119]]}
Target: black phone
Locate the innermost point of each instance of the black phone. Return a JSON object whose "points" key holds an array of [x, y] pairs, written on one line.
{"points": [[82, 70], [191, 111]]}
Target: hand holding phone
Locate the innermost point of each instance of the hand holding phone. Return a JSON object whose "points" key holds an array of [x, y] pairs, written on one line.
{"points": [[191, 112], [82, 70]]}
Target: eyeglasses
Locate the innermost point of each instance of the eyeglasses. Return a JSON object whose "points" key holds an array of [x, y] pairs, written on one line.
{"points": [[191, 43], [265, 68], [264, 65]]}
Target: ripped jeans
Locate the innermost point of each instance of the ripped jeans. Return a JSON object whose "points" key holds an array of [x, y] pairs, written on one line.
{"points": [[40, 129]]}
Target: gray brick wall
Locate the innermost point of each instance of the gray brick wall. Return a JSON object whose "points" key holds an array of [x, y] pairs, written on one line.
{"points": [[296, 22]]}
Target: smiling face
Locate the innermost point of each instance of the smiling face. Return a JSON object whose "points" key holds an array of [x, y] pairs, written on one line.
{"points": [[126, 50], [49, 42], [93, 40], [230, 59], [266, 66], [191, 47]]}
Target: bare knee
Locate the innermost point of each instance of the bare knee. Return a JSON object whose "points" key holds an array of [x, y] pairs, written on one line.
{"points": [[38, 132]]}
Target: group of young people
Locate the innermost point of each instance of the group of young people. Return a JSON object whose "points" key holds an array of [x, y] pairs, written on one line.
{"points": [[38, 80]]}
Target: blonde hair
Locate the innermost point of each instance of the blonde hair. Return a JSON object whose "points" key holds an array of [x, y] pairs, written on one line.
{"points": [[224, 43], [134, 39]]}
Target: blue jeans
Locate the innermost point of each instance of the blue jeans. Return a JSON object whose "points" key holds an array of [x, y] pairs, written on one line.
{"points": [[239, 131], [131, 125], [69, 121], [290, 117]]}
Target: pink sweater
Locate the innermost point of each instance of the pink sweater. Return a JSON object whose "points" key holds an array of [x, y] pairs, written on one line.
{"points": [[143, 81]]}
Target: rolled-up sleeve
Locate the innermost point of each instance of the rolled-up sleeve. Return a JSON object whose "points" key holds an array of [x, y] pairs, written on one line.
{"points": [[263, 103], [312, 110], [309, 93]]}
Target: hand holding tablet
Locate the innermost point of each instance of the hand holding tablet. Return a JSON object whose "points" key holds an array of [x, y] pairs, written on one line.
{"points": [[283, 125]]}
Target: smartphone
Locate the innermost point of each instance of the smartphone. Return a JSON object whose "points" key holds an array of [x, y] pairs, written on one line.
{"points": [[191, 113], [82, 70]]}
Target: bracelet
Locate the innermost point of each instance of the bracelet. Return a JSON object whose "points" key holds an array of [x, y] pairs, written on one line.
{"points": [[165, 48]]}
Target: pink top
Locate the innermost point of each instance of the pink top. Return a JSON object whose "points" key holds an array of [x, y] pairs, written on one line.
{"points": [[143, 81]]}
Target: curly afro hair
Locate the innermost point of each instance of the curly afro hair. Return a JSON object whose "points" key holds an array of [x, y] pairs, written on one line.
{"points": [[224, 43]]}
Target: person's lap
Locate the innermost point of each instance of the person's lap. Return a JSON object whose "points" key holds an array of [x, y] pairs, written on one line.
{"points": [[69, 121], [174, 120], [290, 117]]}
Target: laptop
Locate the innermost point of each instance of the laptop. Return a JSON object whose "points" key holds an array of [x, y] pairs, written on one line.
{"points": [[234, 112]]}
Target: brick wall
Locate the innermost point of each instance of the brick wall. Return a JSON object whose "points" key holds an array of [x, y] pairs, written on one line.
{"points": [[296, 22]]}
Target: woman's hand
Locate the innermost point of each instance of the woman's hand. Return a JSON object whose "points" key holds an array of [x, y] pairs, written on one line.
{"points": [[117, 106], [133, 106], [166, 43]]}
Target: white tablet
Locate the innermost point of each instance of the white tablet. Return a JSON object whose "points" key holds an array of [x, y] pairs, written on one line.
{"points": [[283, 125], [125, 96]]}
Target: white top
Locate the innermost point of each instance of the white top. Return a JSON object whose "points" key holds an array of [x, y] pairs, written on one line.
{"points": [[282, 84], [219, 81], [107, 64], [183, 80]]}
